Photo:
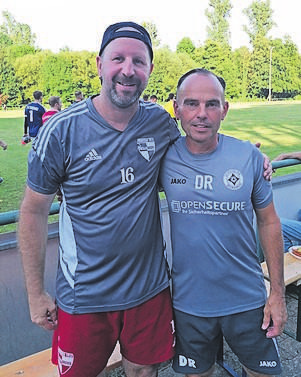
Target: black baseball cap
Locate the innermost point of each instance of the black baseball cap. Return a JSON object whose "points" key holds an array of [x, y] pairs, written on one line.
{"points": [[125, 30]]}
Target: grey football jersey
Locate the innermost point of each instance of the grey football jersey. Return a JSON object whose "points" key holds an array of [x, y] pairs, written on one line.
{"points": [[211, 199], [111, 247]]}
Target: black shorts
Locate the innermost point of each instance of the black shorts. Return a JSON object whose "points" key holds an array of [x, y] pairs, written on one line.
{"points": [[198, 340]]}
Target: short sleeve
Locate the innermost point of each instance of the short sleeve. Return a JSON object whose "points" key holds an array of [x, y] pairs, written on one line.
{"points": [[46, 165], [262, 194]]}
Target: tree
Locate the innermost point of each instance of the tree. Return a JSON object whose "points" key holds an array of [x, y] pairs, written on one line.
{"points": [[274, 64], [241, 61], [9, 85], [259, 14], [18, 33], [186, 45], [153, 32], [24, 69], [57, 75], [169, 66], [198, 54], [16, 40], [16, 51], [217, 57], [29, 74], [285, 73], [84, 73], [259, 68], [218, 16], [5, 40]]}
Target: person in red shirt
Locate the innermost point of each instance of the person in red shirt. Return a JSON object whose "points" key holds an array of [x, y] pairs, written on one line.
{"points": [[56, 106]]}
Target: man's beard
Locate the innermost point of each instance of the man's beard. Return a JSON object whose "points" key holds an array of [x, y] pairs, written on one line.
{"points": [[125, 100]]}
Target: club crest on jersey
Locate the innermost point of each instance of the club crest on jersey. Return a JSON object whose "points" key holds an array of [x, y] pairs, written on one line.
{"points": [[146, 147], [233, 179], [65, 361]]}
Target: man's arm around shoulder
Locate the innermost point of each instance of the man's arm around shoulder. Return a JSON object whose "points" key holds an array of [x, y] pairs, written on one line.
{"points": [[33, 231], [284, 156]]}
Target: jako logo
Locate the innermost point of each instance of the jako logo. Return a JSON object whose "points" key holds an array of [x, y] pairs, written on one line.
{"points": [[269, 364], [183, 361], [178, 181]]}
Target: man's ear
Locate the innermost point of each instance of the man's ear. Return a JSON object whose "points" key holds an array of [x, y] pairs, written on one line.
{"points": [[98, 65], [176, 109], [151, 68], [225, 110]]}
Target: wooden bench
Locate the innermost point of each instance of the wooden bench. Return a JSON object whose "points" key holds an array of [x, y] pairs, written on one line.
{"points": [[39, 365], [292, 280]]}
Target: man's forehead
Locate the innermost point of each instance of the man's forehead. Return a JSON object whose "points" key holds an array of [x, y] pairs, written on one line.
{"points": [[197, 85], [200, 79]]}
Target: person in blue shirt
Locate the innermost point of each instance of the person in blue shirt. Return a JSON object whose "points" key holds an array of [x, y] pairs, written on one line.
{"points": [[104, 154], [33, 115], [213, 184]]}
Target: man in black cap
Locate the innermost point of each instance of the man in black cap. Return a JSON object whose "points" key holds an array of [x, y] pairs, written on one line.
{"points": [[104, 155]]}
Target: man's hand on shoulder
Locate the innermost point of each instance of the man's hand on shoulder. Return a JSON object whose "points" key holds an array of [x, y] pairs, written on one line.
{"points": [[267, 165]]}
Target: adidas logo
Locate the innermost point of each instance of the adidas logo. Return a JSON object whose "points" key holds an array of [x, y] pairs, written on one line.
{"points": [[92, 156]]}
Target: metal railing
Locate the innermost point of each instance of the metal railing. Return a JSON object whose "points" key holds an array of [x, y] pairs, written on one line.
{"points": [[11, 217], [284, 163]]}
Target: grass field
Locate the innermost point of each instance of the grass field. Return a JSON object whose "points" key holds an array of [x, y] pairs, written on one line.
{"points": [[13, 163], [275, 125]]}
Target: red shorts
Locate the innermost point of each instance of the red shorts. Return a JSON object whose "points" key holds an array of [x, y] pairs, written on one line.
{"points": [[83, 343]]}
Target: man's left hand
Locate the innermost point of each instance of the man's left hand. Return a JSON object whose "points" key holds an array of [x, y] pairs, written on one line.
{"points": [[275, 316]]}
